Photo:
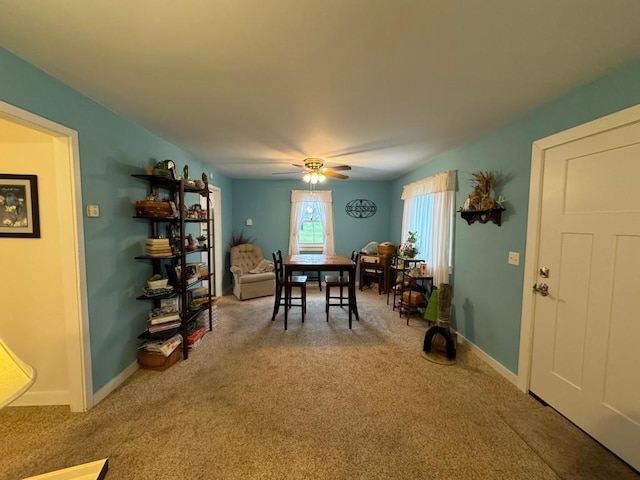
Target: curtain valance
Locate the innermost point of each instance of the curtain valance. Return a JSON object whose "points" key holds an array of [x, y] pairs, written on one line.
{"points": [[441, 182], [323, 196]]}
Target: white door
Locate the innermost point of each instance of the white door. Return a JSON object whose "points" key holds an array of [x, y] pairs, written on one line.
{"points": [[586, 331]]}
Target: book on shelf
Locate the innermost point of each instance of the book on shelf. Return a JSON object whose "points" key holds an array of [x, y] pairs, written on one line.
{"points": [[195, 337], [163, 318], [156, 292], [161, 327], [199, 292], [157, 247]]}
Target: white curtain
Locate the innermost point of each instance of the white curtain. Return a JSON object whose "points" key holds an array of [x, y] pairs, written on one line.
{"points": [[322, 200], [429, 206]]}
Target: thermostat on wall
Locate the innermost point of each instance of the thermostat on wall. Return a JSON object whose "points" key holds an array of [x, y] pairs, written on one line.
{"points": [[93, 211]]}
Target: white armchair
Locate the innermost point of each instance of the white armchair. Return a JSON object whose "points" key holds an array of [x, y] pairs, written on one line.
{"points": [[253, 275]]}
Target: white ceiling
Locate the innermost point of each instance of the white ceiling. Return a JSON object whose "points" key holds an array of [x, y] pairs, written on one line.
{"points": [[251, 86]]}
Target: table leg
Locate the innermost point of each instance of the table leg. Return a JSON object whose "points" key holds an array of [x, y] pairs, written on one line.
{"points": [[286, 297]]}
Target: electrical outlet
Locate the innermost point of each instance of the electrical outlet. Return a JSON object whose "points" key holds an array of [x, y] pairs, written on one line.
{"points": [[514, 258]]}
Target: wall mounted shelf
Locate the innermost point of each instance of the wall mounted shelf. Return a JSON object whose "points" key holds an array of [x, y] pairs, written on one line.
{"points": [[483, 216]]}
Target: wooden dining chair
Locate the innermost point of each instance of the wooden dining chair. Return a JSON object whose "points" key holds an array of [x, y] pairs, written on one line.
{"points": [[341, 282], [284, 287]]}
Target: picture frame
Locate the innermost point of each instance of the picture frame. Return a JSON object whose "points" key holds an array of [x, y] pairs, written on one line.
{"points": [[19, 208]]}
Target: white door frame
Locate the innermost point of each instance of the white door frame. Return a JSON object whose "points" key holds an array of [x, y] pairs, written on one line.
{"points": [[75, 305], [217, 235], [609, 122], [215, 194]]}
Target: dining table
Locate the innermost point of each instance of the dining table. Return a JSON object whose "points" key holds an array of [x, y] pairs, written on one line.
{"points": [[317, 262]]}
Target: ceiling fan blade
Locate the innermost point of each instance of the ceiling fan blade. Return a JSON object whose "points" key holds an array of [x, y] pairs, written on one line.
{"points": [[297, 165], [338, 167], [329, 173]]}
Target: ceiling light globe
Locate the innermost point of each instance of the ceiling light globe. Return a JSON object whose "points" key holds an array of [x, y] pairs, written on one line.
{"points": [[306, 177]]}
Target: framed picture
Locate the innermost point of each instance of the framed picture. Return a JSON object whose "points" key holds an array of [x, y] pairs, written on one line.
{"points": [[19, 215]]}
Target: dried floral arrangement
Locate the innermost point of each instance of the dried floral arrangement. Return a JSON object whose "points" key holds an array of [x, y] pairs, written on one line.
{"points": [[482, 196]]}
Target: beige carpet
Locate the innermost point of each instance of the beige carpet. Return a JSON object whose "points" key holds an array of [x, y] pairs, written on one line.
{"points": [[317, 401]]}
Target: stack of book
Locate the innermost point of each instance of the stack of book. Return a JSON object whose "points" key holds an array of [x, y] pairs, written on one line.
{"points": [[161, 320], [202, 319], [164, 346], [193, 339], [157, 247]]}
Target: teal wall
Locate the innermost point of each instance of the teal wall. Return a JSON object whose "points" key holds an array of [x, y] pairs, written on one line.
{"points": [[487, 292], [268, 204], [111, 148]]}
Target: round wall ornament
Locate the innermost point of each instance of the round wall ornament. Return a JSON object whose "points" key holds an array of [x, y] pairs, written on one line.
{"points": [[361, 208]]}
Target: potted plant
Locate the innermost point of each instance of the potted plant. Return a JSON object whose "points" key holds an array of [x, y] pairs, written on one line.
{"points": [[409, 248], [201, 241]]}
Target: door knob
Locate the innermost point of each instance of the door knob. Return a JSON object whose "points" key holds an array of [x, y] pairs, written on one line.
{"points": [[542, 289]]}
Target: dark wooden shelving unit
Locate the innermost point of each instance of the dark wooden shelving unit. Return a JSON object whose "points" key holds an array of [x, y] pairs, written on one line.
{"points": [[177, 191]]}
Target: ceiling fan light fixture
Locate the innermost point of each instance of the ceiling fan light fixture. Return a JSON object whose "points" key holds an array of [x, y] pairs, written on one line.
{"points": [[306, 177]]}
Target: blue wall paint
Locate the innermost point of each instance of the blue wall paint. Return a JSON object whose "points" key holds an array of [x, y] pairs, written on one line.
{"points": [[487, 291], [268, 203], [111, 148], [487, 297]]}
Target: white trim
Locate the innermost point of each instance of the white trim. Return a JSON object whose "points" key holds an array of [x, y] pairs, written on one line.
{"points": [[489, 360], [115, 382], [40, 399], [217, 235], [78, 348], [609, 122]]}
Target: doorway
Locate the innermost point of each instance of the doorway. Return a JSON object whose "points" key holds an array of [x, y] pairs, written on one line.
{"points": [[50, 333]]}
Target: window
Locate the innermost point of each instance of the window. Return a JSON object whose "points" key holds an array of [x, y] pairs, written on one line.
{"points": [[429, 210], [311, 234], [311, 225]]}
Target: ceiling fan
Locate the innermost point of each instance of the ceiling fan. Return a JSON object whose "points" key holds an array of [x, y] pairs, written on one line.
{"points": [[316, 171]]}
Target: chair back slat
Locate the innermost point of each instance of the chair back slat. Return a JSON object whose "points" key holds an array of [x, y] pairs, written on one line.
{"points": [[277, 263]]}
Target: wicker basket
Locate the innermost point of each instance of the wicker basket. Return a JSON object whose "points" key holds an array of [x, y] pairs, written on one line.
{"points": [[147, 208], [387, 249], [157, 361]]}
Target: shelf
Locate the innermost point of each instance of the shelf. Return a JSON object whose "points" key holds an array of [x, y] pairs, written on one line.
{"points": [[158, 219], [162, 335], [147, 257], [162, 296], [483, 216], [168, 182]]}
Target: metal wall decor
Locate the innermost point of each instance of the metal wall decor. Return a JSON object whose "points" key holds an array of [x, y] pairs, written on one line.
{"points": [[361, 208]]}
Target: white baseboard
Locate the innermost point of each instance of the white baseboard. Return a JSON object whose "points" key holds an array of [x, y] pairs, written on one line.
{"points": [[114, 383], [492, 362], [39, 399]]}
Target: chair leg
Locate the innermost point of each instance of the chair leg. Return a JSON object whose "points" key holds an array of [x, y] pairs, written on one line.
{"points": [[276, 303], [303, 294], [326, 302]]}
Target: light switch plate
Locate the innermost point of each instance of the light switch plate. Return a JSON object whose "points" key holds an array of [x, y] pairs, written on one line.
{"points": [[514, 258], [93, 211]]}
